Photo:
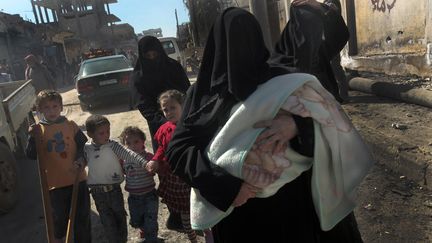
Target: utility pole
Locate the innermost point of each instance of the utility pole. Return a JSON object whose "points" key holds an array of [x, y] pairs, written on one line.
{"points": [[192, 14], [177, 24]]}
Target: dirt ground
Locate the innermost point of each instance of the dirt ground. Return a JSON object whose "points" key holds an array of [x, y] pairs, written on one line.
{"points": [[393, 206]]}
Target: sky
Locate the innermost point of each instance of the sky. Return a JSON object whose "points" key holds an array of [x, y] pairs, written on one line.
{"points": [[141, 14]]}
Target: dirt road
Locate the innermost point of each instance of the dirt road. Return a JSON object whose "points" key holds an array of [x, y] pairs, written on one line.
{"points": [[391, 208]]}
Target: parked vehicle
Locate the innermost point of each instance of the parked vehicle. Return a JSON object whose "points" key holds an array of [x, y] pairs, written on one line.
{"points": [[172, 49], [103, 79], [17, 98]]}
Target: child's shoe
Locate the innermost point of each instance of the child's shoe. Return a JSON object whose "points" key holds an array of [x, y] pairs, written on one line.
{"points": [[174, 222]]}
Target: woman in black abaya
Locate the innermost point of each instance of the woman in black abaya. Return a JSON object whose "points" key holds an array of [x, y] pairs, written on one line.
{"points": [[233, 65], [155, 73], [312, 38]]}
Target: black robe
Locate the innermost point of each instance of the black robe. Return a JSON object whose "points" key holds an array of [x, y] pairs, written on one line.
{"points": [[311, 39], [153, 77], [234, 64]]}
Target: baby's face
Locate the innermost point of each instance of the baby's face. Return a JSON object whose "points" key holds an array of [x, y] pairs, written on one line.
{"points": [[135, 143]]}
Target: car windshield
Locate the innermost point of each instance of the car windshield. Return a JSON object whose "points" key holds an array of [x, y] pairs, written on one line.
{"points": [[168, 46], [103, 65]]}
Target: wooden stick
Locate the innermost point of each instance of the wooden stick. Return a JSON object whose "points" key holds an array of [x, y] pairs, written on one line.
{"points": [[45, 196], [72, 211], [46, 201]]}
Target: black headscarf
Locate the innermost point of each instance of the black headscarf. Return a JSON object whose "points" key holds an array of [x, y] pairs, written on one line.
{"points": [[233, 65], [310, 40], [150, 43], [152, 77]]}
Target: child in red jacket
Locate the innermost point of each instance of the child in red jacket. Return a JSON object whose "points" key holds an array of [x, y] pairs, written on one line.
{"points": [[175, 193]]}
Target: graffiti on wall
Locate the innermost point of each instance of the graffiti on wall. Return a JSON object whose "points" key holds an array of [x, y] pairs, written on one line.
{"points": [[383, 5]]}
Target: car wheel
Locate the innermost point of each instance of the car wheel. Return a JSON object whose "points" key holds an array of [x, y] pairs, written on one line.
{"points": [[8, 179]]}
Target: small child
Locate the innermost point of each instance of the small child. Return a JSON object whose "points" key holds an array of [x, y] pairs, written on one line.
{"points": [[143, 200], [175, 193], [61, 144], [105, 175]]}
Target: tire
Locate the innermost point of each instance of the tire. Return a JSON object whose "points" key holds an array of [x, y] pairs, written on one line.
{"points": [[8, 179]]}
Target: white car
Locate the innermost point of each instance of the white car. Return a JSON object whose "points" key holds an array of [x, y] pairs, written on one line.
{"points": [[172, 49]]}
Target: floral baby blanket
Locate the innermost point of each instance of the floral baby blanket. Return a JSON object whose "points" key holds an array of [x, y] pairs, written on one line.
{"points": [[341, 158]]}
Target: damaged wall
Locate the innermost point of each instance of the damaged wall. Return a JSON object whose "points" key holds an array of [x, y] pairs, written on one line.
{"points": [[390, 26], [392, 36]]}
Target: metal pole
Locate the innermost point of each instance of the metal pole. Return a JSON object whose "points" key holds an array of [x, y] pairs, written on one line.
{"points": [[177, 24]]}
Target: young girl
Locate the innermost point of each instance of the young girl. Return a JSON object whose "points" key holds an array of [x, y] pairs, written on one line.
{"points": [[143, 200], [175, 193]]}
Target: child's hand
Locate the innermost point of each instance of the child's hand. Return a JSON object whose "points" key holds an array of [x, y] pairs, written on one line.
{"points": [[35, 131], [152, 166], [79, 164], [246, 191]]}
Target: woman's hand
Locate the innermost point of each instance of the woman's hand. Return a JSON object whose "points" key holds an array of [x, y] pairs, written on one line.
{"points": [[79, 164], [278, 132], [246, 191]]}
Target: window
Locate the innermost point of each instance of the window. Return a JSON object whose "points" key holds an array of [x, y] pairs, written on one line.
{"points": [[103, 65], [168, 46]]}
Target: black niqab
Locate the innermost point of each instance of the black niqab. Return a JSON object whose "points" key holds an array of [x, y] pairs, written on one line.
{"points": [[150, 43], [233, 65], [310, 40], [152, 77]]}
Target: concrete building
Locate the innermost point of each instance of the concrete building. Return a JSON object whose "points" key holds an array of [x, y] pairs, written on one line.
{"points": [[18, 38], [83, 24], [153, 32], [388, 36]]}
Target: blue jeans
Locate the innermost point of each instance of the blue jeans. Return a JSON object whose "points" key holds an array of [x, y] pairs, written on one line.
{"points": [[143, 214], [112, 213]]}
